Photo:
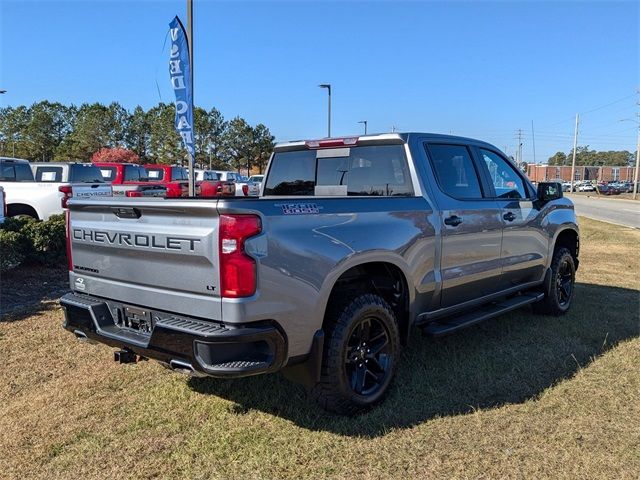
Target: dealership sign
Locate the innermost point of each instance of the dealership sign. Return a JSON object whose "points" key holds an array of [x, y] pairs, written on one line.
{"points": [[180, 74]]}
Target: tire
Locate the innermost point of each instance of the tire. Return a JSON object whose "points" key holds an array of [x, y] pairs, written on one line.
{"points": [[353, 376], [559, 293]]}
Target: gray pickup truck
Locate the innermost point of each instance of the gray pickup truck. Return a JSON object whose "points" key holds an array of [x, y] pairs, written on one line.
{"points": [[352, 242]]}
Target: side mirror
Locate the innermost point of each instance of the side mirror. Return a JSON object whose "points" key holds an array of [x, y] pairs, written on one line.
{"points": [[548, 191]]}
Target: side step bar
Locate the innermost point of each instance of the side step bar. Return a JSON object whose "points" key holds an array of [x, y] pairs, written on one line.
{"points": [[450, 325]]}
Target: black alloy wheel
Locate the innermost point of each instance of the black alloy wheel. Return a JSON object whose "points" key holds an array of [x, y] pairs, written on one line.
{"points": [[368, 357]]}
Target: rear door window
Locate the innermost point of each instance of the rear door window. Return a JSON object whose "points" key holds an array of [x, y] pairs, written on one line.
{"points": [[134, 173], [48, 174], [379, 170], [16, 172], [108, 173], [7, 173], [179, 173], [155, 174], [454, 171]]}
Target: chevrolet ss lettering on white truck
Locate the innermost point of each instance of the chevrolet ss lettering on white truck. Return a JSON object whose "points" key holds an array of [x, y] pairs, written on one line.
{"points": [[353, 242]]}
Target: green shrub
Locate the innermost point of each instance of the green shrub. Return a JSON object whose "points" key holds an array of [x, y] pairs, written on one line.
{"points": [[11, 254], [47, 240], [28, 241]]}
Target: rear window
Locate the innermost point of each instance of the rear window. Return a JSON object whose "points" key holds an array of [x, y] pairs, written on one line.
{"points": [[86, 174], [134, 173], [15, 172], [48, 174], [379, 170]]}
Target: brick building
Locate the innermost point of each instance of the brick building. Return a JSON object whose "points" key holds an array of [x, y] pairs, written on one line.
{"points": [[547, 173]]}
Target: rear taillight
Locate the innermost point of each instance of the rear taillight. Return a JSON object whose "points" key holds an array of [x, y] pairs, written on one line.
{"points": [[133, 193], [245, 190], [66, 190], [68, 235], [237, 269]]}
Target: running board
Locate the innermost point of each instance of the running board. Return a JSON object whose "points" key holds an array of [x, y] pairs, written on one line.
{"points": [[446, 326]]}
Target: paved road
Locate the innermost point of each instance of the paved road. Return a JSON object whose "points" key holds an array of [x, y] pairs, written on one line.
{"points": [[622, 212]]}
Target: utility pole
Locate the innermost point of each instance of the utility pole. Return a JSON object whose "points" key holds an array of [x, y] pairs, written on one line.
{"points": [[575, 148], [192, 179], [635, 176], [519, 154], [533, 141]]}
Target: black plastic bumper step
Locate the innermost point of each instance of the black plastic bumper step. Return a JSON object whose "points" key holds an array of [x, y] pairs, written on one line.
{"points": [[450, 325]]}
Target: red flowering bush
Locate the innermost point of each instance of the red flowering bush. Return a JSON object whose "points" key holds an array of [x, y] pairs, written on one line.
{"points": [[120, 155]]}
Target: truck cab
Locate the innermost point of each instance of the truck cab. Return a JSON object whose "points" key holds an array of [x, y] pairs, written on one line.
{"points": [[130, 180]]}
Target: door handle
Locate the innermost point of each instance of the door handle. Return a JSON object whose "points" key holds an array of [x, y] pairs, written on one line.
{"points": [[509, 216], [453, 220]]}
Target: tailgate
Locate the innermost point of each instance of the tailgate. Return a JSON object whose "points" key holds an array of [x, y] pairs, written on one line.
{"points": [[90, 190], [160, 254]]}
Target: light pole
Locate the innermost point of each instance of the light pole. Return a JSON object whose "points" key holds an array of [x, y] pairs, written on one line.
{"points": [[635, 175], [192, 180], [365, 125], [328, 87]]}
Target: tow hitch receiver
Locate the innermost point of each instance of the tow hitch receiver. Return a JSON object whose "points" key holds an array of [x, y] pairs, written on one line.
{"points": [[125, 356]]}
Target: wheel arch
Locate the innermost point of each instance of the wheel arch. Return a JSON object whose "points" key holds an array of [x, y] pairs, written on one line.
{"points": [[17, 208], [366, 274], [569, 238]]}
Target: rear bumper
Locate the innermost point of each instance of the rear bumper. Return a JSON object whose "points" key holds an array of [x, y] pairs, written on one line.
{"points": [[206, 348]]}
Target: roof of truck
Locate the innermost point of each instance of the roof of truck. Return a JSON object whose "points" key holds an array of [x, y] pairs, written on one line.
{"points": [[396, 137], [13, 160]]}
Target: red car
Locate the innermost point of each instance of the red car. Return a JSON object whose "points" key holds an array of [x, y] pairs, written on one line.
{"points": [[176, 179], [130, 180]]}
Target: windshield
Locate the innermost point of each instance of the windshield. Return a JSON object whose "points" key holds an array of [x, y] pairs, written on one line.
{"points": [[379, 170], [86, 174]]}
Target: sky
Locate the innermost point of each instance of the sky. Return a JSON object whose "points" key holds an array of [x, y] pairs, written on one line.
{"points": [[481, 69]]}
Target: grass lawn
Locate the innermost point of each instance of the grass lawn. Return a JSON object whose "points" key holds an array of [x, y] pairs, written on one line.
{"points": [[518, 396]]}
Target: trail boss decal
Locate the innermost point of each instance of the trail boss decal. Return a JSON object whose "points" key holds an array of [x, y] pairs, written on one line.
{"points": [[298, 208]]}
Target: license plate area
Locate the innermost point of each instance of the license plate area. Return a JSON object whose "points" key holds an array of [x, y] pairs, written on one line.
{"points": [[134, 318]]}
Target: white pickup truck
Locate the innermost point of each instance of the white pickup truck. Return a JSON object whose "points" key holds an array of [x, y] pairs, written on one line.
{"points": [[46, 193]]}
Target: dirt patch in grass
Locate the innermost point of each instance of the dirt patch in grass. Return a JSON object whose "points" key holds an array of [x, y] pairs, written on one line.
{"points": [[518, 396]]}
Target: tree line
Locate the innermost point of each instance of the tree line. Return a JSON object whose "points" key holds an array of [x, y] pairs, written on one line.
{"points": [[587, 157], [51, 131]]}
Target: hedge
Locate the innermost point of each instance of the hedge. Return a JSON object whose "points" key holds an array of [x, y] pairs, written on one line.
{"points": [[26, 241]]}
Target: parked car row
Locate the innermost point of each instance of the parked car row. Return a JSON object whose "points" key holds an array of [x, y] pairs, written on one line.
{"points": [[603, 188], [39, 189]]}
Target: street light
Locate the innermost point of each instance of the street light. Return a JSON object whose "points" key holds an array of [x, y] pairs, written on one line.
{"points": [[3, 91], [635, 175], [365, 125], [328, 87]]}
